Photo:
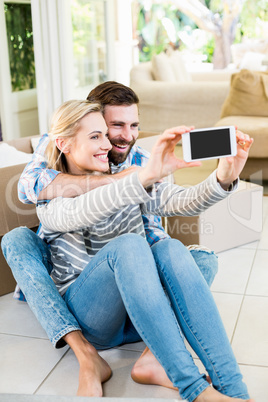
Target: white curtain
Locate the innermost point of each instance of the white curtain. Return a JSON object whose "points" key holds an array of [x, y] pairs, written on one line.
{"points": [[52, 30]]}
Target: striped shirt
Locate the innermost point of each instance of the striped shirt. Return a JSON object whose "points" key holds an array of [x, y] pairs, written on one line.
{"points": [[36, 176], [77, 228]]}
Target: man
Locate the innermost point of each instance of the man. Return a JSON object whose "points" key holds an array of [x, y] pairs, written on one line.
{"points": [[39, 183]]}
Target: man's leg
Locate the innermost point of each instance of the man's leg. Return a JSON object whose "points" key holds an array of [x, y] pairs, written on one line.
{"points": [[29, 259], [206, 260], [198, 317], [147, 370]]}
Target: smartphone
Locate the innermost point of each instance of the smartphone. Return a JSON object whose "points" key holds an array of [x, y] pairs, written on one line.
{"points": [[209, 143]]}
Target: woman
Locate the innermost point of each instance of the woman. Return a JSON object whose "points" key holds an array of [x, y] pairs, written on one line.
{"points": [[112, 282]]}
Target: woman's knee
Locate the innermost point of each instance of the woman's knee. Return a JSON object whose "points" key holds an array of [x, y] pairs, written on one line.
{"points": [[130, 242], [169, 249]]}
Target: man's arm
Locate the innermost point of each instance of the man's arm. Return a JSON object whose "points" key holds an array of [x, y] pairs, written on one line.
{"points": [[68, 186]]}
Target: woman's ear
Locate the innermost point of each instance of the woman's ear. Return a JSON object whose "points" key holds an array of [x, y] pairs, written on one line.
{"points": [[62, 145]]}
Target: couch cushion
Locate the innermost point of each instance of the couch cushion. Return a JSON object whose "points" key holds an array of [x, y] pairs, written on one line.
{"points": [[248, 95], [169, 68], [256, 127]]}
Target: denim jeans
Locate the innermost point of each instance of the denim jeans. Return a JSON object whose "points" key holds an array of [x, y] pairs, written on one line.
{"points": [[29, 259], [126, 279], [114, 302]]}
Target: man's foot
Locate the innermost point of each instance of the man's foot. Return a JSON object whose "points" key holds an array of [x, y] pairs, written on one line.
{"points": [[147, 370], [211, 395]]}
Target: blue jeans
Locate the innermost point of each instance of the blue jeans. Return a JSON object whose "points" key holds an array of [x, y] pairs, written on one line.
{"points": [[29, 259], [120, 297], [114, 302]]}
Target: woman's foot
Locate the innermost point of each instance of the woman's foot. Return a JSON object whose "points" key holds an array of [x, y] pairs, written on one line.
{"points": [[147, 370], [94, 370], [211, 395]]}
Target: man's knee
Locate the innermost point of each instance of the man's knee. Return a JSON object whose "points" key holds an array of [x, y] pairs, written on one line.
{"points": [[14, 239], [207, 263]]}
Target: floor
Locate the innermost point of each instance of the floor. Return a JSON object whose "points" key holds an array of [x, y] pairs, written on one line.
{"points": [[30, 365]]}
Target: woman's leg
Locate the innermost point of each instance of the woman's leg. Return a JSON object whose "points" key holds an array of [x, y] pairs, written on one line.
{"points": [[29, 259], [122, 280], [198, 316]]}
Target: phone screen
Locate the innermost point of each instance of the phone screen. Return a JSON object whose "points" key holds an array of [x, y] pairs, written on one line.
{"points": [[209, 144]]}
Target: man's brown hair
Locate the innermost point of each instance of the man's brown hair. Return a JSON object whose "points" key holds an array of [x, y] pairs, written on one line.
{"points": [[114, 94]]}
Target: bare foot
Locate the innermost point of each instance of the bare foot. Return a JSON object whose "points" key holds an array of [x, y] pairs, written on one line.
{"points": [[211, 395], [94, 370], [147, 370]]}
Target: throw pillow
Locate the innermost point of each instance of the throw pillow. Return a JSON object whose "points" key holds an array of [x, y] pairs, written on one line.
{"points": [[162, 69], [179, 69], [10, 156], [248, 95], [170, 68]]}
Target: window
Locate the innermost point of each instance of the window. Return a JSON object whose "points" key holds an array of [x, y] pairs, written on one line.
{"points": [[20, 45], [89, 42]]}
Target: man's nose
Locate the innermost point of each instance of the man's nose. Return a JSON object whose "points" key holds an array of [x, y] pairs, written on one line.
{"points": [[126, 133]]}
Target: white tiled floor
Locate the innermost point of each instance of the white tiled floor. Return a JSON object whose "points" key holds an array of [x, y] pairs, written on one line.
{"points": [[30, 365]]}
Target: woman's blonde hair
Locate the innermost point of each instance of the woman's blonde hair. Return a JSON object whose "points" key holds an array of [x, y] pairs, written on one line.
{"points": [[65, 123]]}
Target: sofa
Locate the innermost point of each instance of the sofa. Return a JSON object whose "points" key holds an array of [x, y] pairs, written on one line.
{"points": [[246, 107], [12, 212], [196, 100], [205, 99]]}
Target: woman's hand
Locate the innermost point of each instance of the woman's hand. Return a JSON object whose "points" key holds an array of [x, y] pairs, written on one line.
{"points": [[163, 161], [230, 168]]}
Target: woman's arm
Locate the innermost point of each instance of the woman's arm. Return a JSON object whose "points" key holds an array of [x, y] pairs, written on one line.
{"points": [[163, 161], [86, 210], [171, 199], [175, 200]]}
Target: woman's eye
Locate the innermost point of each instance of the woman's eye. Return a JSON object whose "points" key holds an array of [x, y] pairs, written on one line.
{"points": [[95, 137]]}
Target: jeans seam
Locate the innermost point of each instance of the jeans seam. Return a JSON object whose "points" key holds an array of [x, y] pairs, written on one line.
{"points": [[63, 332], [196, 393]]}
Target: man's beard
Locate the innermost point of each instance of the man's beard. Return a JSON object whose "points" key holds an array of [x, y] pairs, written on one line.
{"points": [[119, 157]]}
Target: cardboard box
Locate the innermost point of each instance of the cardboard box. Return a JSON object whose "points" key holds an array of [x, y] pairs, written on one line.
{"points": [[232, 222], [12, 212]]}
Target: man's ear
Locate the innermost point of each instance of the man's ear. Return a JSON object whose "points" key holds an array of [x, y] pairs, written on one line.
{"points": [[62, 145]]}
